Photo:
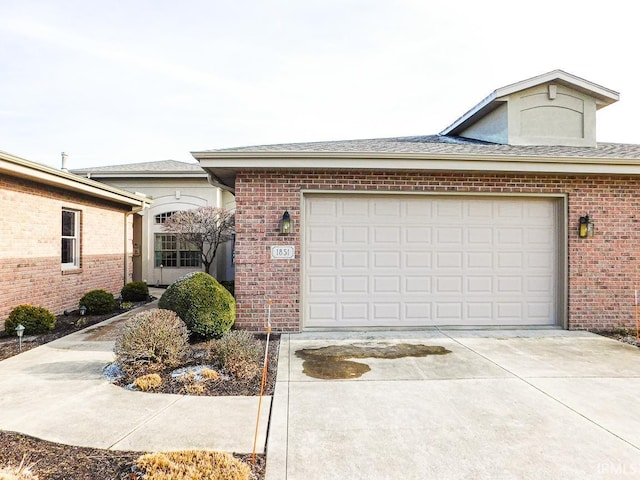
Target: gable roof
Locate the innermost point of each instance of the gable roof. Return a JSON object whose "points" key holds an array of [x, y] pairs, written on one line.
{"points": [[161, 168], [603, 96]]}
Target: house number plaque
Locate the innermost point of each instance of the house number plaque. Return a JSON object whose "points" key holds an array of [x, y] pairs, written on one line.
{"points": [[283, 252]]}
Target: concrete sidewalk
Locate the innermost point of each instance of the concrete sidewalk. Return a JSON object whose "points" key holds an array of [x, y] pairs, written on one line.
{"points": [[57, 392], [534, 404]]}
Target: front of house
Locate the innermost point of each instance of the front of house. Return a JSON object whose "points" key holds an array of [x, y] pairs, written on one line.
{"points": [[476, 226]]}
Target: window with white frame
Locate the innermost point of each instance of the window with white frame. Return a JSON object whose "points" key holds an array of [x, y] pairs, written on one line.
{"points": [[163, 217], [70, 245], [169, 252]]}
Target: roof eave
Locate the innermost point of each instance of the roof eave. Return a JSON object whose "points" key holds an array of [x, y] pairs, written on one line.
{"points": [[225, 166], [20, 167]]}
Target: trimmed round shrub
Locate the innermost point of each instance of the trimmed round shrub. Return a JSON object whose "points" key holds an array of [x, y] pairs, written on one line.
{"points": [[205, 306], [34, 320], [153, 337], [98, 302], [135, 292]]}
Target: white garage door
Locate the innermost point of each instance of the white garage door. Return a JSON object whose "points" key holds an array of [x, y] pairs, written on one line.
{"points": [[408, 260]]}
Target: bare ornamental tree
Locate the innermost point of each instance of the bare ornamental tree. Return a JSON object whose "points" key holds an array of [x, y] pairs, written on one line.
{"points": [[204, 228]]}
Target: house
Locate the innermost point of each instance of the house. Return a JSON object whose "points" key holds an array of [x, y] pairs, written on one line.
{"points": [[63, 236], [513, 215], [158, 258]]}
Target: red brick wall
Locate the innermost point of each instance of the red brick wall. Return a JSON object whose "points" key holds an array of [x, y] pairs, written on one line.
{"points": [[602, 271], [30, 270]]}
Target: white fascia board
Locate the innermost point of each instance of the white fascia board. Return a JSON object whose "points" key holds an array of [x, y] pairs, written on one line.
{"points": [[19, 167], [601, 93], [406, 161]]}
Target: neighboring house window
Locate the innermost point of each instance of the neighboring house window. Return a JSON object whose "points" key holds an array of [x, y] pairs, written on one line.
{"points": [[171, 253], [70, 239], [162, 217]]}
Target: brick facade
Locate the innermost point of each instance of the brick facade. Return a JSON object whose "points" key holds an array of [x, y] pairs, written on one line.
{"points": [[30, 269], [603, 271]]}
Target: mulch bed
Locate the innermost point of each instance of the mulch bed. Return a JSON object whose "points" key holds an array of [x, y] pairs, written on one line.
{"points": [[55, 461], [625, 335], [225, 385], [65, 324]]}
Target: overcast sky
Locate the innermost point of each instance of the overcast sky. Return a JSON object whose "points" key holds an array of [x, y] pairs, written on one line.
{"points": [[123, 81]]}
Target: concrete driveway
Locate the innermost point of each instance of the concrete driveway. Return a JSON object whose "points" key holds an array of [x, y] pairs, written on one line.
{"points": [[521, 404]]}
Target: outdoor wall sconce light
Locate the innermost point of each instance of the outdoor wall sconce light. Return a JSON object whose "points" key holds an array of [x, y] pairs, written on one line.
{"points": [[286, 224], [83, 310], [20, 331], [586, 227]]}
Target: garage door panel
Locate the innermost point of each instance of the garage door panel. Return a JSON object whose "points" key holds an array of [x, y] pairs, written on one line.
{"points": [[479, 284], [418, 260], [355, 236], [449, 236], [449, 260], [386, 284], [510, 260], [386, 207], [355, 208], [479, 311], [322, 259], [414, 284], [355, 311], [324, 234], [354, 259], [479, 260], [479, 236], [509, 237], [387, 260], [418, 235], [387, 312], [350, 284], [384, 234]]}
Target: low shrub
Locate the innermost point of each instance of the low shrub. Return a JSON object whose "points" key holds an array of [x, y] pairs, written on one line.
{"points": [[239, 353], [135, 292], [148, 382], [192, 465], [153, 336], [98, 302], [193, 389], [34, 320], [205, 306], [209, 374]]}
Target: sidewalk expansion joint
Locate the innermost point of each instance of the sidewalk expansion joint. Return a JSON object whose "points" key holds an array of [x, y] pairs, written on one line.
{"points": [[145, 421]]}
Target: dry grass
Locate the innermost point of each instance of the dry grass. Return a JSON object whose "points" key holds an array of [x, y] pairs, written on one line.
{"points": [[192, 465], [20, 472], [148, 382]]}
